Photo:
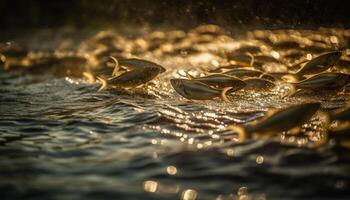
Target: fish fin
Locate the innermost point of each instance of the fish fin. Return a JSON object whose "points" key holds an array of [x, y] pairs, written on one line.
{"points": [[116, 65], [90, 78], [241, 131], [103, 84], [252, 59], [189, 76], [224, 92]]}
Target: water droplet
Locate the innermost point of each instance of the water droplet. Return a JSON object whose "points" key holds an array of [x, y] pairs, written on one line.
{"points": [[334, 39], [154, 141], [242, 191], [230, 152], [171, 170], [260, 160], [150, 186], [189, 194]]}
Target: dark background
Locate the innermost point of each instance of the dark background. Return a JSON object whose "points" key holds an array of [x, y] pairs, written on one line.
{"points": [[24, 14]]}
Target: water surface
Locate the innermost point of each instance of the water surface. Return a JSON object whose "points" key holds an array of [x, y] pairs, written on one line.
{"points": [[61, 139]]}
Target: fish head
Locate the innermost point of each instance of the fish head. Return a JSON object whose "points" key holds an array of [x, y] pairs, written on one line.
{"points": [[179, 85], [240, 84], [152, 71]]}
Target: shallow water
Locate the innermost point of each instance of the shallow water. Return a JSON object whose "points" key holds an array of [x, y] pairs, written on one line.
{"points": [[61, 139]]}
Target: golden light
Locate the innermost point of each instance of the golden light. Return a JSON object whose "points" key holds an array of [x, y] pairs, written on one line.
{"points": [[150, 186], [259, 160], [171, 170], [189, 194]]}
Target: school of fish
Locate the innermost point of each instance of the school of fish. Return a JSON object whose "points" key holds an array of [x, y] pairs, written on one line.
{"points": [[246, 67]]}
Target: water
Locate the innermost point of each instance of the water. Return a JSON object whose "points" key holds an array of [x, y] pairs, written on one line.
{"points": [[61, 139]]}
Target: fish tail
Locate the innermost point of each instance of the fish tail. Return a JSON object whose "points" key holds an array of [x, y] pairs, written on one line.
{"points": [[224, 94], [252, 59], [116, 65], [241, 131], [90, 78], [103, 84]]}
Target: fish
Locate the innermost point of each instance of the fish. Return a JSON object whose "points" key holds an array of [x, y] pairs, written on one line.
{"points": [[322, 81], [130, 79], [341, 114], [264, 59], [221, 68], [278, 121], [246, 60], [244, 72], [134, 63], [248, 48], [220, 81], [195, 90], [258, 83], [289, 44], [319, 64], [248, 73]]}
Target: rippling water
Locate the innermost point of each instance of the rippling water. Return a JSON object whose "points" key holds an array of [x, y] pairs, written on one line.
{"points": [[61, 139]]}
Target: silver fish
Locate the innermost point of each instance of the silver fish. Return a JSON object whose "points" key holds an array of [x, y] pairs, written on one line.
{"points": [[3, 47], [322, 81], [327, 81], [244, 73], [248, 73], [258, 83], [195, 90], [131, 78], [248, 48], [319, 64], [221, 68], [134, 63], [220, 81], [282, 120], [246, 60]]}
